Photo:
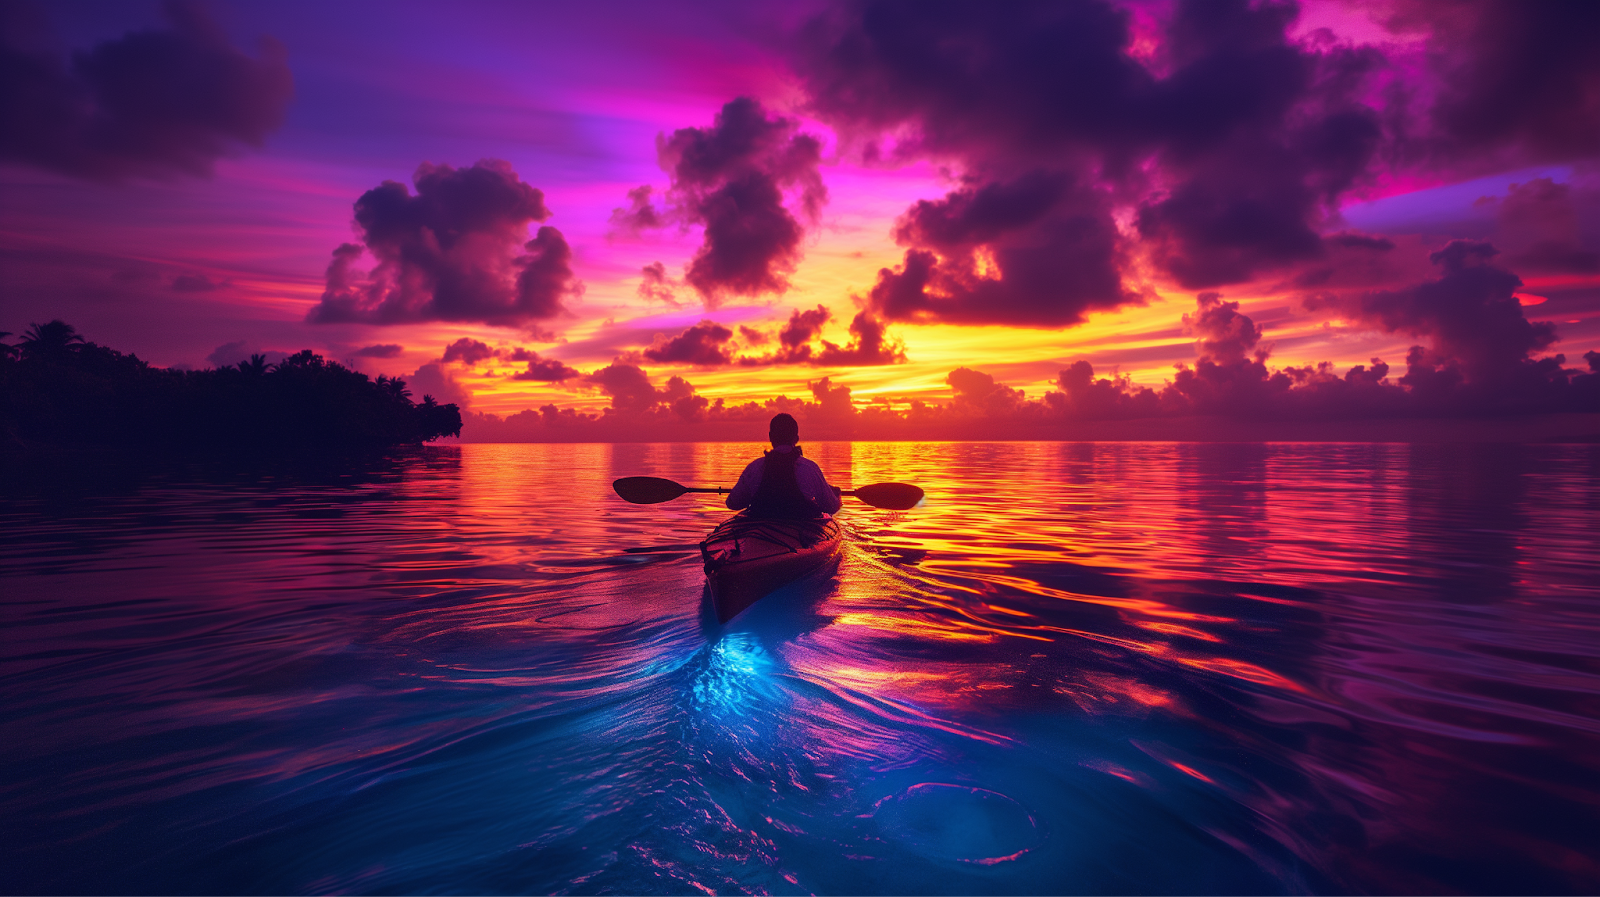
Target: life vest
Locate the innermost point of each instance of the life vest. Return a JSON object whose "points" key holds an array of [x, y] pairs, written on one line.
{"points": [[779, 494]]}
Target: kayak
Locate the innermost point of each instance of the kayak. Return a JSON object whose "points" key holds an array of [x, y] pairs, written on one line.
{"points": [[748, 558]]}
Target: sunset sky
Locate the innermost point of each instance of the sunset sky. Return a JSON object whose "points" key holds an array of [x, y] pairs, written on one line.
{"points": [[517, 206]]}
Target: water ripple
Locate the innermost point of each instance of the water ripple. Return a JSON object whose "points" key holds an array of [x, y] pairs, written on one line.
{"points": [[1075, 668]]}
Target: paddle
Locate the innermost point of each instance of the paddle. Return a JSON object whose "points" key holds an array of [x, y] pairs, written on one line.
{"points": [[654, 490]]}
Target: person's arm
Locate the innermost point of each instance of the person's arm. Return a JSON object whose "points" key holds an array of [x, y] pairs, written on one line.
{"points": [[815, 486], [745, 489]]}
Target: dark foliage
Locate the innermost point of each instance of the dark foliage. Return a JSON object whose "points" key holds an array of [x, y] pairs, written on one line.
{"points": [[56, 388]]}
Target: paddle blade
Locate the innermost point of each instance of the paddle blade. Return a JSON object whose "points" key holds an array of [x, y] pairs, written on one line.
{"points": [[647, 490], [894, 496]]}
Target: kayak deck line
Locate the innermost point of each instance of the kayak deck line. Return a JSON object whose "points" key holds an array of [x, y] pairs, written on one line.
{"points": [[752, 529], [747, 558]]}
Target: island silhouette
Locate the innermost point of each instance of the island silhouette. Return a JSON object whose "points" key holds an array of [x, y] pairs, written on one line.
{"points": [[58, 389]]}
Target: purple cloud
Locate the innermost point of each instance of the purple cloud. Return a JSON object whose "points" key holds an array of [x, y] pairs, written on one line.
{"points": [[869, 345], [1230, 146], [742, 180], [454, 251], [149, 104], [657, 285], [1518, 80], [703, 345], [541, 370], [467, 351]]}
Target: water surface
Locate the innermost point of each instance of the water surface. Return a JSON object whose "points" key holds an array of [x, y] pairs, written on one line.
{"points": [[1077, 668]]}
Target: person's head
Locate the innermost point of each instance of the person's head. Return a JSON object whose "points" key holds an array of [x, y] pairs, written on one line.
{"points": [[783, 430]]}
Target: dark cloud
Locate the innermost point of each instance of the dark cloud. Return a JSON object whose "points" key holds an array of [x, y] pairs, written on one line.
{"points": [[833, 404], [799, 342], [632, 393], [1257, 138], [1513, 77], [703, 345], [1228, 146], [627, 385], [1109, 398], [869, 345], [196, 283], [978, 390], [1480, 362], [794, 338], [1224, 223], [455, 251], [803, 327], [467, 351], [657, 285], [433, 379], [641, 213], [1225, 336], [1469, 314], [1539, 225], [542, 370], [149, 104], [742, 179], [946, 78], [1230, 374], [1039, 250], [680, 396], [381, 350]]}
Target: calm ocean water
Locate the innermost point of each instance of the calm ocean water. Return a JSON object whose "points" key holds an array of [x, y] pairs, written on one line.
{"points": [[1101, 668]]}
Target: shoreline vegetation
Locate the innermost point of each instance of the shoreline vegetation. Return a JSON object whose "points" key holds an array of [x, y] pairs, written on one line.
{"points": [[61, 393], [64, 397]]}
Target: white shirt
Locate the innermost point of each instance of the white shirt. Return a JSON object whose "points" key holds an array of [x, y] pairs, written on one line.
{"points": [[807, 475]]}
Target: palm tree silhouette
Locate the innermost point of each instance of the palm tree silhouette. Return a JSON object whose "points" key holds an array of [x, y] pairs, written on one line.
{"points": [[6, 349], [394, 386], [55, 341], [255, 367]]}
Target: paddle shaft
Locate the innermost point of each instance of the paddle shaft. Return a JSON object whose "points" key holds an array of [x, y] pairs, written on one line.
{"points": [[654, 490], [720, 490]]}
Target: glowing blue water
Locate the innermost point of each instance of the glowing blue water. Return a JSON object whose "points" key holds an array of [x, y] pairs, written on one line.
{"points": [[1077, 668]]}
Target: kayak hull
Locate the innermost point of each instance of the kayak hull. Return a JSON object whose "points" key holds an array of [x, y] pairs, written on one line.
{"points": [[748, 558]]}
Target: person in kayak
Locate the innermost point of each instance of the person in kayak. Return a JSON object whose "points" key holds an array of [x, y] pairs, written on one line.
{"points": [[783, 482]]}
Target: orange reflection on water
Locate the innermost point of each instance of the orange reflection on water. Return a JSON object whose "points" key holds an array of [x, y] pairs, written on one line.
{"points": [[1098, 692], [1175, 629], [912, 626], [1241, 670]]}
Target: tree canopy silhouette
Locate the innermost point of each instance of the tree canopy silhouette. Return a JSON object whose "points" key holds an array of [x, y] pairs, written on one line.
{"points": [[58, 388]]}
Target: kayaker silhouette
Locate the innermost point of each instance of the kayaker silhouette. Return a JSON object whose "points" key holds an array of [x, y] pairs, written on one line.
{"points": [[783, 482]]}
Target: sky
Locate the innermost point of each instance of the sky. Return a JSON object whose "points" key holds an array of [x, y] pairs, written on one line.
{"points": [[888, 217]]}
